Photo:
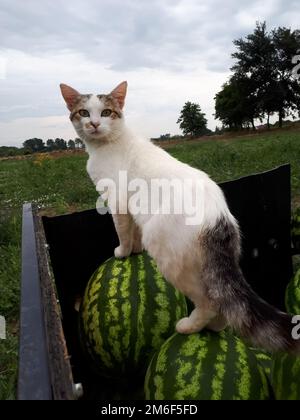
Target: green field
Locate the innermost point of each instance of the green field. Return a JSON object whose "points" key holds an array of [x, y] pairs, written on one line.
{"points": [[60, 185]]}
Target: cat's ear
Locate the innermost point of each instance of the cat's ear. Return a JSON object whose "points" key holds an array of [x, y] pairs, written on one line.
{"points": [[69, 94], [119, 93]]}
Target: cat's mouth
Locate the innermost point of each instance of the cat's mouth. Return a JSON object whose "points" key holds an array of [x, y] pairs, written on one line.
{"points": [[94, 132]]}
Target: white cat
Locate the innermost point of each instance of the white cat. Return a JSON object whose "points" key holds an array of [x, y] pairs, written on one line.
{"points": [[200, 259]]}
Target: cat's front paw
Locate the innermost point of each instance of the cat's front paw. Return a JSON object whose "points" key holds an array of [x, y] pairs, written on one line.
{"points": [[122, 252]]}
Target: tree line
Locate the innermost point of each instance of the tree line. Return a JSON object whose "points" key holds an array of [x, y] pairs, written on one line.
{"points": [[36, 145], [263, 83]]}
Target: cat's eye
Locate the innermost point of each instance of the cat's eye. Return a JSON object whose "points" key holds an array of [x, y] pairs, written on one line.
{"points": [[106, 113], [83, 113]]}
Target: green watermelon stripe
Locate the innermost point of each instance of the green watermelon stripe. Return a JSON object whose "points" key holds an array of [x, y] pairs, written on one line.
{"points": [[102, 312], [152, 323], [199, 347], [92, 324], [134, 308], [265, 385], [93, 287], [149, 321], [126, 306], [171, 350], [158, 379], [141, 307], [94, 282], [263, 357], [113, 310], [220, 370], [162, 307], [244, 384], [184, 370], [231, 375], [264, 360], [93, 328], [155, 373]]}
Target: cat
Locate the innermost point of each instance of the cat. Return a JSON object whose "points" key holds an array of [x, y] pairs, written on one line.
{"points": [[202, 259]]}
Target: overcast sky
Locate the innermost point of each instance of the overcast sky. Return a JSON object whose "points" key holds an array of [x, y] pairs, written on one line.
{"points": [[169, 51]]}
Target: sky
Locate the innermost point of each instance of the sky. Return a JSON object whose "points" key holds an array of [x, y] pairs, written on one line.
{"points": [[169, 51]]}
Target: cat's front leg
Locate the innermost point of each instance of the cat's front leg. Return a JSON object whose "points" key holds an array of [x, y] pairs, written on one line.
{"points": [[124, 226]]}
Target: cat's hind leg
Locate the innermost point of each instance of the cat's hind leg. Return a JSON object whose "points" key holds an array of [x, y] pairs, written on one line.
{"points": [[197, 321]]}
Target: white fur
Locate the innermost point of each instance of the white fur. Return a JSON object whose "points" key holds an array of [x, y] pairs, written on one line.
{"points": [[168, 239], [142, 159], [117, 148]]}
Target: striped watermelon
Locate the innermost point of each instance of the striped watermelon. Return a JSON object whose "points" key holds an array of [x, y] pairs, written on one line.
{"points": [[127, 312], [205, 366], [292, 297], [286, 377]]}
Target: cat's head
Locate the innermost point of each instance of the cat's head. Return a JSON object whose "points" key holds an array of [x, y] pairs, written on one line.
{"points": [[96, 117]]}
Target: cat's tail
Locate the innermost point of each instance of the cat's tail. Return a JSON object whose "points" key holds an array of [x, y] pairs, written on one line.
{"points": [[250, 316], [258, 322]]}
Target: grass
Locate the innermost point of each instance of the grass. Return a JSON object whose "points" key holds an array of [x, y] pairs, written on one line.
{"points": [[61, 185], [228, 159]]}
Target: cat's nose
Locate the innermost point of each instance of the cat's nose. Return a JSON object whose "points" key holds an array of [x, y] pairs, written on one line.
{"points": [[95, 124]]}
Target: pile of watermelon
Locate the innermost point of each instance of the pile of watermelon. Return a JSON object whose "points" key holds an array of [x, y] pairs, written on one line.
{"points": [[127, 323]]}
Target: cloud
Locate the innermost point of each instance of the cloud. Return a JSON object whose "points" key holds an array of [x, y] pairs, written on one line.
{"points": [[130, 34], [257, 11], [169, 50]]}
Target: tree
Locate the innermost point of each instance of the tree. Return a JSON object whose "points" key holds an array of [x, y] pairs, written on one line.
{"points": [[10, 151], [78, 143], [71, 144], [266, 59], [287, 88], [50, 145], [236, 104], [60, 144], [34, 145], [226, 106], [192, 121]]}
